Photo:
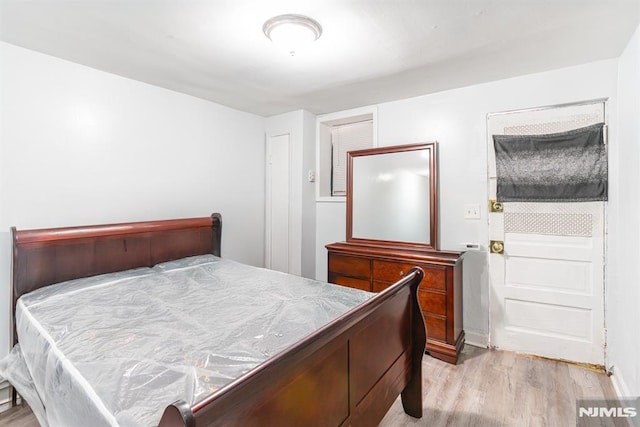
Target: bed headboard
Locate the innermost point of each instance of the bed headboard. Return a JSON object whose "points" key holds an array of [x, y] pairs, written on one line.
{"points": [[47, 256]]}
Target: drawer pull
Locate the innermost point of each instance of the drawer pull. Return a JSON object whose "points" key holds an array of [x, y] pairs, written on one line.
{"points": [[401, 273]]}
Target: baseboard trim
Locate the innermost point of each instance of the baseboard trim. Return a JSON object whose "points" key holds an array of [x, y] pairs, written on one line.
{"points": [[476, 339], [619, 385], [623, 392]]}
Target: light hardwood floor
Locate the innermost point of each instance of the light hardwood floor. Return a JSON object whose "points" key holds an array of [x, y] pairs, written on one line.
{"points": [[501, 388], [19, 416], [486, 388]]}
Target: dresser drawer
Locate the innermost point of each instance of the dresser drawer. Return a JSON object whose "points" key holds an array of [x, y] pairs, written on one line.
{"points": [[388, 271], [434, 278], [436, 327], [380, 286], [350, 266], [431, 302], [351, 282]]}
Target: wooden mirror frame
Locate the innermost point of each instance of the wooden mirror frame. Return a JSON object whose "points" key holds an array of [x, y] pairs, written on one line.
{"points": [[433, 196]]}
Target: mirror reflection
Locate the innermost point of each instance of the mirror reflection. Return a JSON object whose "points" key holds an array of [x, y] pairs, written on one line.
{"points": [[391, 195]]}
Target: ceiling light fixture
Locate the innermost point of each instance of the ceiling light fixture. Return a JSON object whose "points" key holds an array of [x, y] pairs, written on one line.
{"points": [[292, 32]]}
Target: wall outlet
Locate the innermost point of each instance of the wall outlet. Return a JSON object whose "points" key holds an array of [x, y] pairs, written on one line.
{"points": [[471, 211], [311, 177]]}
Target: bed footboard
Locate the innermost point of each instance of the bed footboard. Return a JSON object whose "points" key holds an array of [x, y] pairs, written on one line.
{"points": [[347, 373]]}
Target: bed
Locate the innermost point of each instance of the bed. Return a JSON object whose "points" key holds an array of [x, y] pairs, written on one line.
{"points": [[346, 372]]}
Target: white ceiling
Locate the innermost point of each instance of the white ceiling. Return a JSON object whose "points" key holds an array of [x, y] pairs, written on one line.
{"points": [[371, 51]]}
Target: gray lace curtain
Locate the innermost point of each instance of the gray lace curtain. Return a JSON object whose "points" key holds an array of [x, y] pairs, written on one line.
{"points": [[559, 167]]}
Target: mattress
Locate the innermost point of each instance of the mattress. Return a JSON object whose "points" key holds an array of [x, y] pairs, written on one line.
{"points": [[116, 349]]}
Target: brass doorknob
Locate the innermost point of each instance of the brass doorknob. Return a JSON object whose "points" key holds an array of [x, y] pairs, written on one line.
{"points": [[497, 247], [495, 206]]}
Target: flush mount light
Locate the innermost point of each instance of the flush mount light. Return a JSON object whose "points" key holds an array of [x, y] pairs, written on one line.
{"points": [[292, 32]]}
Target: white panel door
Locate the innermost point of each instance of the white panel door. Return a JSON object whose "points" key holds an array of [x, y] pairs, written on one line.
{"points": [[277, 203], [547, 287]]}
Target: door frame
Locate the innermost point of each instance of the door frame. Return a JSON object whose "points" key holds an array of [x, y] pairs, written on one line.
{"points": [[268, 200]]}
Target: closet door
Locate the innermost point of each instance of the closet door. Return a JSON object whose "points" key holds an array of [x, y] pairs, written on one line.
{"points": [[277, 203], [547, 286]]}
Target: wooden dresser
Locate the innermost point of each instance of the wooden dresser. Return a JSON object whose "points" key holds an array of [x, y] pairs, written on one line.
{"points": [[375, 267]]}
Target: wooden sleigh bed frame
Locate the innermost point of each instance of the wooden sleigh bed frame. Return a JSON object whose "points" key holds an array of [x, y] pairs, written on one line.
{"points": [[347, 373]]}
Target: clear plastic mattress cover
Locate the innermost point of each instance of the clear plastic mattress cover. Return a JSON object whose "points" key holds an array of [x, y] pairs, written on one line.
{"points": [[117, 349]]}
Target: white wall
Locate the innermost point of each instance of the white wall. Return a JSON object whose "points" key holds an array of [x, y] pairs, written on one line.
{"points": [[300, 125], [623, 270], [80, 146], [457, 120]]}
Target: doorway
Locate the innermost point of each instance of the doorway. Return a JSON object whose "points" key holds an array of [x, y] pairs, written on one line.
{"points": [[277, 203]]}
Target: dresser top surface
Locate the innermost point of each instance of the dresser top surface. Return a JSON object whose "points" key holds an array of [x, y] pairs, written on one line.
{"points": [[388, 251]]}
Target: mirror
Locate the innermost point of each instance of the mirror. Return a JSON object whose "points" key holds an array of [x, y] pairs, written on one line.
{"points": [[392, 196]]}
